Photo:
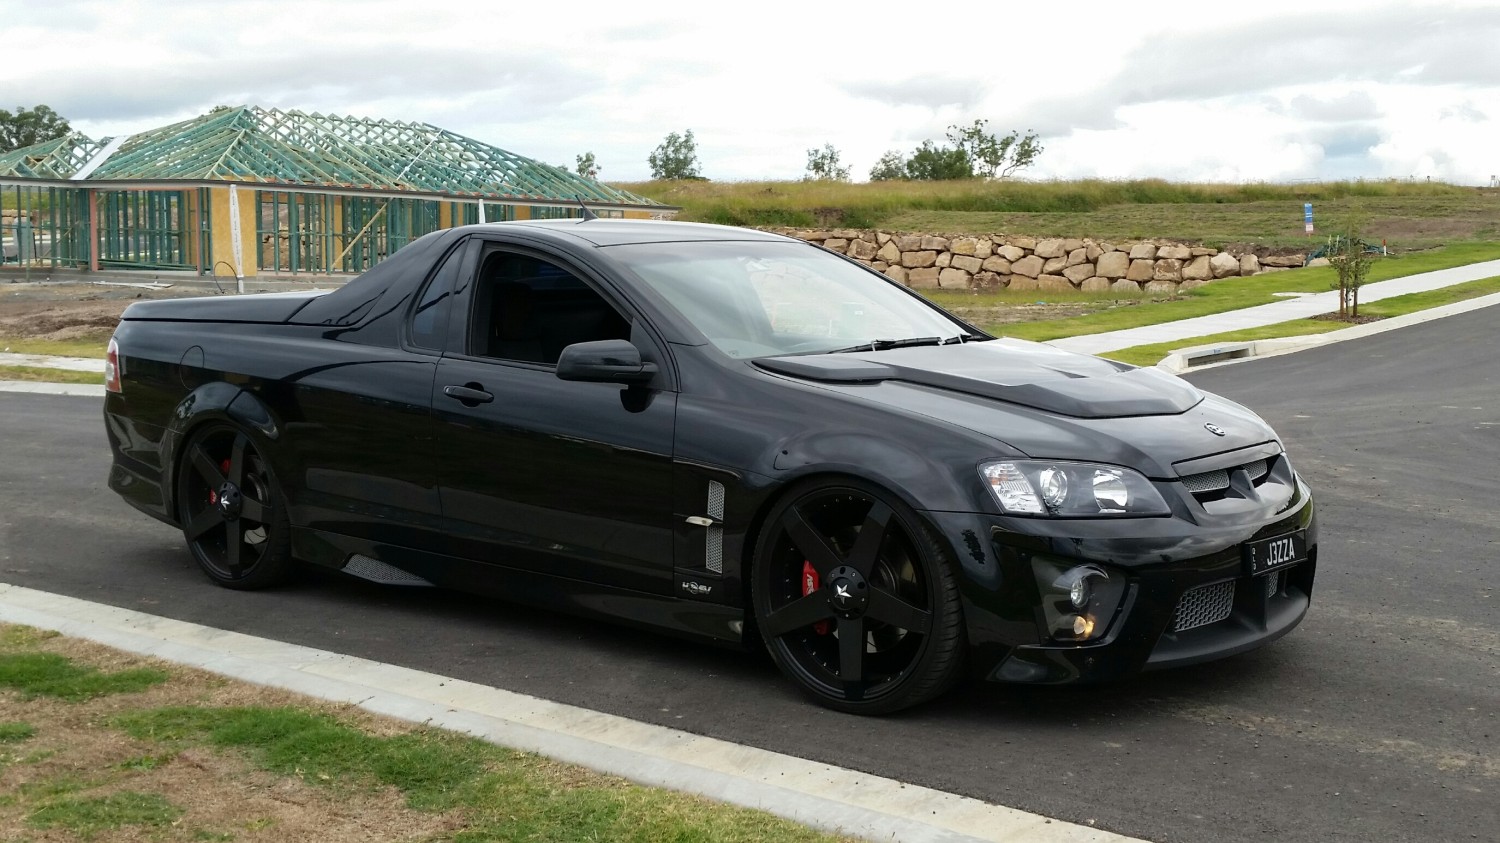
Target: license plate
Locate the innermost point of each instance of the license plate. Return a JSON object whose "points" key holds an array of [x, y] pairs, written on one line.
{"points": [[1271, 554]]}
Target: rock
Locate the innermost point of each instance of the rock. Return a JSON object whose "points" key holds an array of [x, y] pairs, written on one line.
{"points": [[882, 237], [937, 244], [1092, 252], [922, 278], [1224, 265], [1079, 272], [1198, 268], [889, 253], [916, 260], [1200, 251], [963, 246], [984, 247], [1249, 264], [880, 266], [1190, 285], [861, 250], [1285, 261], [1318, 262], [1113, 265], [1127, 287], [1021, 282], [954, 279], [1143, 252], [1029, 266], [1027, 243], [1072, 243], [1167, 269], [1049, 249], [967, 263], [908, 242], [816, 235], [1141, 270], [1054, 265], [1011, 253], [1160, 288], [944, 260], [897, 274], [1095, 285], [836, 244], [1174, 252], [1078, 256], [1055, 283], [1265, 269], [987, 280], [995, 263]]}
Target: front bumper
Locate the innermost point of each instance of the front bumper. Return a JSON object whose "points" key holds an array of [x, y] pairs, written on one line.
{"points": [[1188, 598]]}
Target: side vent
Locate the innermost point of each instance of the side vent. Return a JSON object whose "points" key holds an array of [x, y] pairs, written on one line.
{"points": [[376, 571], [714, 552]]}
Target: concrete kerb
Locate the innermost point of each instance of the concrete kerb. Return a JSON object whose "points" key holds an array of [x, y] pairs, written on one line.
{"points": [[1199, 357], [819, 795]]}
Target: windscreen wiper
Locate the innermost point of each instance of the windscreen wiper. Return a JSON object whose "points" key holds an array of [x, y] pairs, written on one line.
{"points": [[882, 345]]}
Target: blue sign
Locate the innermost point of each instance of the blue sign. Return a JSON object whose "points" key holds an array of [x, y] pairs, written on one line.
{"points": [[1307, 212]]}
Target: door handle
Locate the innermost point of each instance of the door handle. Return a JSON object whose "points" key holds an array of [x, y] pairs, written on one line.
{"points": [[472, 395]]}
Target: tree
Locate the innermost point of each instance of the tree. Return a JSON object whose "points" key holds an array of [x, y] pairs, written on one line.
{"points": [[823, 165], [890, 167], [587, 166], [30, 125], [991, 157], [930, 162], [676, 158], [1350, 258]]}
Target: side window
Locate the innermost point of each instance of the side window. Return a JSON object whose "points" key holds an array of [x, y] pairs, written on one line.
{"points": [[429, 321], [529, 309]]}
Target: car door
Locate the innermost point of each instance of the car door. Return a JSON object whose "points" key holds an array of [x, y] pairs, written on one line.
{"points": [[536, 473]]}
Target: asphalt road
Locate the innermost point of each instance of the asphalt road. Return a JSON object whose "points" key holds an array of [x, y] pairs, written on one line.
{"points": [[1378, 719]]}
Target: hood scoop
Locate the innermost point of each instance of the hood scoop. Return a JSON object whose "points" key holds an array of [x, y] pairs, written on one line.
{"points": [[1016, 372]]}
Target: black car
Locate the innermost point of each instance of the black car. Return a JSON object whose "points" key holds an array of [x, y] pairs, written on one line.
{"points": [[725, 434]]}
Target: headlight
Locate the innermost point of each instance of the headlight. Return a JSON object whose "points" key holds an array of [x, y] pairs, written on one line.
{"points": [[1057, 489]]}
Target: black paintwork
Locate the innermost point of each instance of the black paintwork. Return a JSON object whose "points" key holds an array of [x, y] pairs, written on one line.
{"points": [[500, 477]]}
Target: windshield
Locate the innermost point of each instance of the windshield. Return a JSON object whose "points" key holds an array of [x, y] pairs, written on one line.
{"points": [[756, 299]]}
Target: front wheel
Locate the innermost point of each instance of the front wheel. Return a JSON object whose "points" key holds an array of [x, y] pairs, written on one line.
{"points": [[231, 510], [856, 602]]}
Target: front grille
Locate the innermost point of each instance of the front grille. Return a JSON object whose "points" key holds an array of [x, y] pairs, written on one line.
{"points": [[1273, 583], [1204, 605], [1217, 480]]}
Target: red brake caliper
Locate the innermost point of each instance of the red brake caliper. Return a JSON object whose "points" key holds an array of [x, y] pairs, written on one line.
{"points": [[810, 584], [213, 494]]}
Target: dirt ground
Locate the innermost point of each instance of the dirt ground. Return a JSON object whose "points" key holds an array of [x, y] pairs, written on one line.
{"points": [[50, 311]]}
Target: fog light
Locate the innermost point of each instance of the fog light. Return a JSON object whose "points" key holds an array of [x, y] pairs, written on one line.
{"points": [[1078, 593], [1083, 626], [1079, 600]]}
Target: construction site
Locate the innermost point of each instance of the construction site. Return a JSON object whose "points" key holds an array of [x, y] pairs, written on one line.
{"points": [[245, 192]]}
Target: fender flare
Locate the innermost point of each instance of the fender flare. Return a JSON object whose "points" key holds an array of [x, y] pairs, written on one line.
{"points": [[210, 402]]}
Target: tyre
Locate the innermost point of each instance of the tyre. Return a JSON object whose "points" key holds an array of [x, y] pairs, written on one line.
{"points": [[231, 510], [856, 602]]}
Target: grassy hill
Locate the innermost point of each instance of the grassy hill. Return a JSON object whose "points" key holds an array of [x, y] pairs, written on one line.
{"points": [[1411, 215]]}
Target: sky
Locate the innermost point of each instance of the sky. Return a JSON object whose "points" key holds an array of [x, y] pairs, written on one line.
{"points": [[1274, 91]]}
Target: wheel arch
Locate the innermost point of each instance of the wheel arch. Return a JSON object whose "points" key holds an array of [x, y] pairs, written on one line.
{"points": [[218, 401]]}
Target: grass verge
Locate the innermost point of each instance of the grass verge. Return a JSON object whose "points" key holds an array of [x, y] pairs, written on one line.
{"points": [[197, 757], [29, 373], [86, 347], [1150, 355], [1238, 293]]}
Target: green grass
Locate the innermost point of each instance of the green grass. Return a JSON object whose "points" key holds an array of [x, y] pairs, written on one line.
{"points": [[1236, 293], [1150, 355], [88, 816], [922, 206], [86, 347], [32, 373], [504, 794], [51, 675], [15, 732]]}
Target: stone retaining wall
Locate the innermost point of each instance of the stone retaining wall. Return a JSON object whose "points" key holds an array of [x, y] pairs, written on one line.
{"points": [[1155, 267]]}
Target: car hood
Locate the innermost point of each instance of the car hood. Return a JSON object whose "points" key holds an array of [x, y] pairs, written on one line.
{"points": [[1016, 372], [1043, 402]]}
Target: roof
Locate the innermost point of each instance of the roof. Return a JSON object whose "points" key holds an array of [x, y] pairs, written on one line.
{"points": [[619, 232], [251, 144]]}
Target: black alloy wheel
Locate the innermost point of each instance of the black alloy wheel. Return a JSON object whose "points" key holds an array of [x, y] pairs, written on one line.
{"points": [[855, 600], [231, 510]]}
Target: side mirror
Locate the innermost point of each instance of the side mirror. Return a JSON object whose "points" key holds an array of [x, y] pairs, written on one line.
{"points": [[604, 361]]}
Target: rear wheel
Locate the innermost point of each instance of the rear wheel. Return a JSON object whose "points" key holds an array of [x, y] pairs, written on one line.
{"points": [[855, 600], [231, 510]]}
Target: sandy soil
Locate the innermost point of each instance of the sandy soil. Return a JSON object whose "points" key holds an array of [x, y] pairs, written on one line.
{"points": [[70, 311]]}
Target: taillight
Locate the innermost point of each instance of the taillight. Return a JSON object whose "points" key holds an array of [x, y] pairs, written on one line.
{"points": [[112, 367]]}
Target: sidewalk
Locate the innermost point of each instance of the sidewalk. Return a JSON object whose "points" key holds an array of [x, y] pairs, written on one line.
{"points": [[1301, 307]]}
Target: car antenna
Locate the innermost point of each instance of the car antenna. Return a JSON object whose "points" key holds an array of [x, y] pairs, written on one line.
{"points": [[587, 213]]}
